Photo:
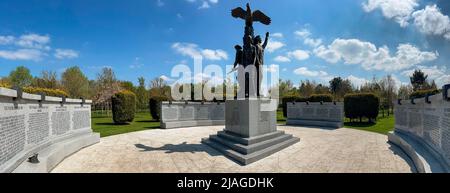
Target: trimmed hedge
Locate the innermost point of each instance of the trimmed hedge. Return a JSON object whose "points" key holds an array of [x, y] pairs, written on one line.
{"points": [[320, 98], [423, 93], [155, 106], [123, 107], [45, 91], [4, 85], [358, 106]]}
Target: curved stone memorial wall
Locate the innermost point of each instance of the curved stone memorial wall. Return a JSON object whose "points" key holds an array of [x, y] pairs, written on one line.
{"points": [[422, 130], [191, 114], [326, 114], [51, 127]]}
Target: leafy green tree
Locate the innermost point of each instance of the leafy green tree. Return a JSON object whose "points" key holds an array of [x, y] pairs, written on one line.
{"points": [[48, 79], [335, 85], [21, 77], [142, 94], [127, 85], [75, 83], [418, 80]]}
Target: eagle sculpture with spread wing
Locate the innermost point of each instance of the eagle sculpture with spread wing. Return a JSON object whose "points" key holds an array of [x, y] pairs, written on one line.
{"points": [[250, 16]]}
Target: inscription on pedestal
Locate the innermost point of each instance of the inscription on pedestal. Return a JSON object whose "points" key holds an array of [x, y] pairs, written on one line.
{"points": [[12, 136]]}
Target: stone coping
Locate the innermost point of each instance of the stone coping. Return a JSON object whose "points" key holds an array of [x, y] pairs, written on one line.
{"points": [[5, 92]]}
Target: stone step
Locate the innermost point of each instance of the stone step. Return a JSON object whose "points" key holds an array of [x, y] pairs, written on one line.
{"points": [[253, 157], [248, 149], [249, 141]]}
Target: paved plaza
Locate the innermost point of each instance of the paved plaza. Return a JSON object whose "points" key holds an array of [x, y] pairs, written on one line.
{"points": [[179, 150]]}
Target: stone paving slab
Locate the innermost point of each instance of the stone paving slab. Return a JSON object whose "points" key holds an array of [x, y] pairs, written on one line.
{"points": [[180, 150]]}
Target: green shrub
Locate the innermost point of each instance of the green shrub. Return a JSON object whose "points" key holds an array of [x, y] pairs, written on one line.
{"points": [[155, 106], [364, 105], [423, 93], [45, 91], [320, 98], [290, 98], [123, 107]]}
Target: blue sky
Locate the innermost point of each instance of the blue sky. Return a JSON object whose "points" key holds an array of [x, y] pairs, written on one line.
{"points": [[311, 39]]}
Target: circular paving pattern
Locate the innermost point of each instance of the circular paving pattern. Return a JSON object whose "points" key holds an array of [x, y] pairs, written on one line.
{"points": [[180, 150]]}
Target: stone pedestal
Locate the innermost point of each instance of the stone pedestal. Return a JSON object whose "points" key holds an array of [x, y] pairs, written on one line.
{"points": [[250, 132]]}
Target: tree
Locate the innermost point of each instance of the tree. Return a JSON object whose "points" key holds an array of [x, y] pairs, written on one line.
{"points": [[106, 86], [307, 88], [321, 89], [142, 95], [20, 77], [418, 80], [127, 85], [335, 85], [285, 87], [404, 91], [75, 83], [158, 87], [48, 79]]}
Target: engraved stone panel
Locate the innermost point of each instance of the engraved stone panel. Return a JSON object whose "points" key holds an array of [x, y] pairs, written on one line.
{"points": [[39, 128], [60, 123], [445, 138], [309, 112], [186, 113], [431, 129], [218, 112], [335, 113], [12, 136], [401, 117], [202, 112], [415, 122], [170, 113], [81, 119], [293, 112], [322, 113]]}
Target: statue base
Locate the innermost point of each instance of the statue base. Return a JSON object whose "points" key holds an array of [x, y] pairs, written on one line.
{"points": [[250, 132]]}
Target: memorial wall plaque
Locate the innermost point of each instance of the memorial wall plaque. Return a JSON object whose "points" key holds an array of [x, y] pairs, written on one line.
{"points": [[445, 132], [38, 127], [81, 120], [335, 114], [12, 136], [60, 123], [170, 113], [218, 111], [202, 112], [186, 113], [293, 111], [322, 113], [431, 131]]}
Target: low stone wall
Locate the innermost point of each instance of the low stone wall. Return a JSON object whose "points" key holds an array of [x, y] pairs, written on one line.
{"points": [[425, 121], [191, 114], [31, 123], [327, 114]]}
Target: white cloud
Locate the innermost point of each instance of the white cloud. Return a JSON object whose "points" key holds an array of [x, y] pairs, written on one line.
{"points": [[304, 71], [398, 10], [165, 78], [366, 54], [5, 40], [282, 59], [66, 54], [299, 54], [272, 68], [431, 21], [357, 81], [439, 74], [193, 51], [305, 34], [313, 42], [277, 35], [205, 4], [34, 41], [274, 45], [22, 54]]}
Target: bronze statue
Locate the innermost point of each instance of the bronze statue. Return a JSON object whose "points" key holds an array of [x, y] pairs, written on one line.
{"points": [[252, 52]]}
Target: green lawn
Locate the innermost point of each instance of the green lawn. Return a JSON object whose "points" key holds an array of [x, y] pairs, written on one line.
{"points": [[382, 126], [143, 121], [106, 127]]}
